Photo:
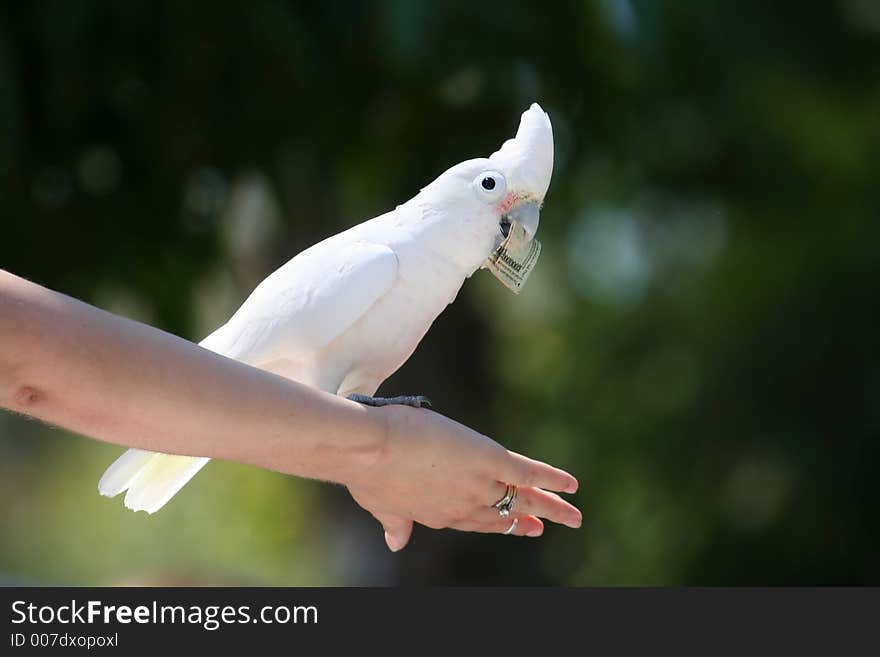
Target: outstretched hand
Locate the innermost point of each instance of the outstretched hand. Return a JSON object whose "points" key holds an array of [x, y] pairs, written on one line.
{"points": [[439, 473]]}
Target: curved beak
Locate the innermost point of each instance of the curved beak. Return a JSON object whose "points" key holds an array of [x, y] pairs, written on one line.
{"points": [[527, 215]]}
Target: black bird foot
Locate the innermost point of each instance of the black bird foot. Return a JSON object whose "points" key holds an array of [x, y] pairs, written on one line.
{"points": [[416, 401]]}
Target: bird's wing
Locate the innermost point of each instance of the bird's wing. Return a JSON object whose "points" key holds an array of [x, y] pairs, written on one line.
{"points": [[307, 303]]}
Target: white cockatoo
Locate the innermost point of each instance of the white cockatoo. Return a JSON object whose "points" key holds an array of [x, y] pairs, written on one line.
{"points": [[346, 313]]}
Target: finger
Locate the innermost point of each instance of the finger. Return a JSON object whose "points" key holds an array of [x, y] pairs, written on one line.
{"points": [[489, 522], [537, 502], [397, 530], [523, 471]]}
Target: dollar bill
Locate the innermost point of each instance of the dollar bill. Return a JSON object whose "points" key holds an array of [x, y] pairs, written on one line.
{"points": [[514, 259]]}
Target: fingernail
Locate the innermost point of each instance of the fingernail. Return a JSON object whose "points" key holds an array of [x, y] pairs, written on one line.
{"points": [[535, 533], [575, 522], [393, 542]]}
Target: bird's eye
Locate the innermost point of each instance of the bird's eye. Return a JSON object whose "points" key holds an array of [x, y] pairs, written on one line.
{"points": [[490, 186]]}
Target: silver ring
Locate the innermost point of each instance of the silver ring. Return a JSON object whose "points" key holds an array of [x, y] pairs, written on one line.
{"points": [[513, 525], [508, 494], [505, 509], [505, 504]]}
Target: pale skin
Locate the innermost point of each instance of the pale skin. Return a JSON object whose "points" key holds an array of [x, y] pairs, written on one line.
{"points": [[116, 380]]}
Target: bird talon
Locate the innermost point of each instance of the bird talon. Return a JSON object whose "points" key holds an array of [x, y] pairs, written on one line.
{"points": [[416, 401]]}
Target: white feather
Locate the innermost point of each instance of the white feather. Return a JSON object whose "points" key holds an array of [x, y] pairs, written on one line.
{"points": [[160, 479], [309, 302], [123, 471]]}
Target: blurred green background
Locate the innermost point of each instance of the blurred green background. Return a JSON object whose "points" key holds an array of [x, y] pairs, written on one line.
{"points": [[698, 343]]}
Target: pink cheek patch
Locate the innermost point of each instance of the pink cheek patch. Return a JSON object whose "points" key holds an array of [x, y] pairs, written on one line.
{"points": [[506, 203]]}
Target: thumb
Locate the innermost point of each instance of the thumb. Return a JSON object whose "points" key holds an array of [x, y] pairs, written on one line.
{"points": [[397, 530]]}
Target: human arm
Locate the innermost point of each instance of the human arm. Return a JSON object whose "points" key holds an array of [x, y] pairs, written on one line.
{"points": [[75, 366]]}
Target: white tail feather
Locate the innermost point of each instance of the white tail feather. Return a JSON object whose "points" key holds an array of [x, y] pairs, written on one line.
{"points": [[150, 478], [160, 479], [123, 471]]}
